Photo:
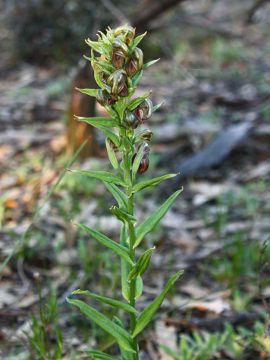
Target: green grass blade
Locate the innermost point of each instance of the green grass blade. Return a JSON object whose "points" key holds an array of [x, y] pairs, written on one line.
{"points": [[100, 175], [150, 223], [152, 182], [148, 313], [109, 243], [121, 335], [106, 300]]}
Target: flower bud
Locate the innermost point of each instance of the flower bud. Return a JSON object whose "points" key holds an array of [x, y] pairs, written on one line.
{"points": [[144, 110], [117, 82], [143, 135], [118, 58], [146, 135], [126, 32], [135, 63], [130, 120], [144, 164], [144, 149], [104, 98], [124, 91], [120, 45]]}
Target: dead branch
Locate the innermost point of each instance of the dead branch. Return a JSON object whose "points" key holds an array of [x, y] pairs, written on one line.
{"points": [[253, 10], [149, 10]]}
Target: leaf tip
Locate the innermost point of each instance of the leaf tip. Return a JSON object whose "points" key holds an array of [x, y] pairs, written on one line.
{"points": [[75, 292]]}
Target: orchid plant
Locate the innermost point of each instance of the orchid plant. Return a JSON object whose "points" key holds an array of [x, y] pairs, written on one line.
{"points": [[118, 66]]}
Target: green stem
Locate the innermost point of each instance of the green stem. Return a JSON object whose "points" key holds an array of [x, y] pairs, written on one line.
{"points": [[132, 238]]}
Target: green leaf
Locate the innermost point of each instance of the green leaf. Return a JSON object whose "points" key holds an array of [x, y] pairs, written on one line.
{"points": [[150, 63], [137, 161], [106, 300], [137, 77], [98, 121], [89, 92], [99, 355], [119, 196], [104, 240], [148, 313], [111, 154], [141, 265], [122, 215], [139, 287], [156, 107], [100, 175], [95, 45], [137, 40], [125, 268], [150, 223], [152, 182], [125, 355], [111, 135], [121, 335], [136, 102]]}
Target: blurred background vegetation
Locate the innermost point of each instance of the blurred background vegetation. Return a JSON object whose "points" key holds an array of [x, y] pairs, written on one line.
{"points": [[214, 76]]}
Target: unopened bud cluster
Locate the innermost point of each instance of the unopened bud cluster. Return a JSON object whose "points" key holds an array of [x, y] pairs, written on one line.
{"points": [[117, 62]]}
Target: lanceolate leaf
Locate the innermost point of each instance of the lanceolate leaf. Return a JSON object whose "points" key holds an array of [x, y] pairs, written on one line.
{"points": [[121, 336], [156, 107], [125, 268], [137, 40], [89, 92], [152, 182], [141, 265], [100, 175], [106, 300], [119, 196], [122, 215], [110, 135], [137, 77], [125, 355], [150, 63], [104, 240], [99, 355], [139, 288], [148, 313], [98, 121], [111, 154], [136, 102], [150, 223]]}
